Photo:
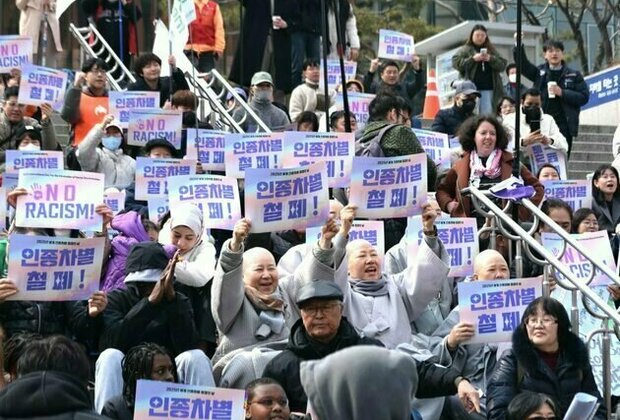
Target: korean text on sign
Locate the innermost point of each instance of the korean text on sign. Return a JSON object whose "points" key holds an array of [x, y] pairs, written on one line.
{"points": [[152, 175], [358, 105], [395, 45], [334, 76], [115, 201], [122, 102], [495, 307], [47, 268], [539, 155], [158, 206], [164, 400], [15, 52], [42, 85], [599, 248], [577, 193], [436, 145], [17, 160], [368, 230], [217, 196], [60, 199], [150, 124], [258, 151], [335, 149], [389, 187], [283, 199], [207, 147], [458, 234]]}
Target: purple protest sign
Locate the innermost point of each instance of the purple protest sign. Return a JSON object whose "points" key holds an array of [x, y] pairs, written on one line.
{"points": [[47, 268], [256, 150], [115, 201], [60, 199], [17, 160], [389, 187], [152, 174], [15, 52], [151, 124], [207, 147], [158, 206], [335, 149], [283, 199], [42, 85], [395, 46], [217, 196], [122, 102]]}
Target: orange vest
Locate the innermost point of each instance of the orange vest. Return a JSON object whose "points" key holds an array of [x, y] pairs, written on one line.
{"points": [[92, 111]]}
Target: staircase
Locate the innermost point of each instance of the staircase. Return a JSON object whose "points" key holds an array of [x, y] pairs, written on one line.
{"points": [[591, 149]]}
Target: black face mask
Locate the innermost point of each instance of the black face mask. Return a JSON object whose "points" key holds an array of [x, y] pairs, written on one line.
{"points": [[189, 118], [532, 113], [468, 106]]}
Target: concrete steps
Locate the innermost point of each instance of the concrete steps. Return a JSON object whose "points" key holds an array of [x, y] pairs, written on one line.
{"points": [[591, 149], [62, 130]]}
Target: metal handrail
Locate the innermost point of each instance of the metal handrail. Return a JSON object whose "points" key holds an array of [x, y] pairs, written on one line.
{"points": [[104, 52]]}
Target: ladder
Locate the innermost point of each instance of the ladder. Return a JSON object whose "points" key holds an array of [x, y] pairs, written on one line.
{"points": [[94, 45]]}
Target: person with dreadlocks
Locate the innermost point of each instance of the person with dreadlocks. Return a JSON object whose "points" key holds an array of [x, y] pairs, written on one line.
{"points": [[146, 361]]}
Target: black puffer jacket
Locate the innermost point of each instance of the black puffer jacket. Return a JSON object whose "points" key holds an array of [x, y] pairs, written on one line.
{"points": [[449, 120], [522, 369]]}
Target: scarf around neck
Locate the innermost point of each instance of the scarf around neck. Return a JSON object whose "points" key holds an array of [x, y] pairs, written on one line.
{"points": [[370, 288], [263, 301], [491, 170]]}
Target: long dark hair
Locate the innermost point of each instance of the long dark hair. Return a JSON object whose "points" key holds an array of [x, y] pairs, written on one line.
{"points": [[553, 308], [487, 42], [526, 403], [596, 193]]}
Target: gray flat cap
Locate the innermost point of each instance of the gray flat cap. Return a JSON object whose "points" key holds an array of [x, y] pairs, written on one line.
{"points": [[320, 289]]}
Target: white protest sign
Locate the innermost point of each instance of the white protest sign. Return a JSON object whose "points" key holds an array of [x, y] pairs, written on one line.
{"points": [[334, 76], [495, 307], [395, 45], [158, 206], [17, 160], [151, 124], [2, 208], [15, 52], [368, 230], [539, 155], [152, 175], [358, 105], [207, 147], [60, 199], [42, 85], [115, 201], [436, 145], [252, 150], [389, 187], [577, 193], [122, 102]]}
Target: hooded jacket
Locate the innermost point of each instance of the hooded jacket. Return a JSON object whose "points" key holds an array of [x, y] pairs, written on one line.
{"points": [[573, 374], [285, 367], [46, 395]]}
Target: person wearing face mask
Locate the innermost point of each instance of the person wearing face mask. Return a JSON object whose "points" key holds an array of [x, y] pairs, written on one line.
{"points": [[449, 120], [510, 88], [101, 151], [536, 127], [261, 103]]}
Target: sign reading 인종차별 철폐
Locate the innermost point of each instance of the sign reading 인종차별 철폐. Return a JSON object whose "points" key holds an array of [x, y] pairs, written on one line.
{"points": [[252, 150], [334, 77], [436, 145], [15, 52], [207, 147], [115, 201], [150, 124], [60, 199], [368, 230], [122, 102], [47, 268], [17, 160], [152, 175], [284, 199], [395, 45], [495, 307], [158, 206], [577, 192], [42, 85]]}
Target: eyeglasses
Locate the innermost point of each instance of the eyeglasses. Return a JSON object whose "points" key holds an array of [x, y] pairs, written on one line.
{"points": [[270, 402], [546, 321], [325, 309]]}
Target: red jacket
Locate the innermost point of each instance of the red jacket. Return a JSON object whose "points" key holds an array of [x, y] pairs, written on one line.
{"points": [[207, 31]]}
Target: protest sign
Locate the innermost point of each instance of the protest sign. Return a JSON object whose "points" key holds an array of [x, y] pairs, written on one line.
{"points": [[283, 199], [436, 145], [539, 155], [17, 160], [577, 193], [10, 181], [207, 147], [158, 399], [597, 243], [47, 268], [15, 52], [122, 102], [158, 206], [334, 77], [3, 208], [217, 196], [495, 307], [389, 187], [60, 199], [151, 124], [335, 149], [115, 201], [358, 105], [395, 45], [258, 151], [42, 85], [458, 234], [151, 175], [369, 230], [183, 13]]}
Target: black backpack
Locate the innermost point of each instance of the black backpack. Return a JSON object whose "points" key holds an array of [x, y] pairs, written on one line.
{"points": [[372, 147]]}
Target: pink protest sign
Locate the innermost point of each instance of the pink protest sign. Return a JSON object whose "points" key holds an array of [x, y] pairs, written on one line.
{"points": [[17, 160], [207, 147], [42, 85], [152, 175], [389, 187], [395, 45], [60, 199], [15, 52], [283, 199], [255, 150], [335, 149], [122, 102], [217, 196], [48, 268], [151, 124]]}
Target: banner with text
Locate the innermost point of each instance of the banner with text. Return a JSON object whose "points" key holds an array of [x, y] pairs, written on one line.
{"points": [[207, 147], [42, 85], [17, 160], [395, 45], [436, 145], [257, 151], [152, 175], [15, 52], [122, 102], [151, 124], [577, 193]]}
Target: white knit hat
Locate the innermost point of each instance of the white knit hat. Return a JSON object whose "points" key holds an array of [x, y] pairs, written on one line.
{"points": [[187, 214]]}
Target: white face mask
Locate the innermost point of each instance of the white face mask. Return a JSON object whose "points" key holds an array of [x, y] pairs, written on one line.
{"points": [[512, 78], [30, 147], [62, 233]]}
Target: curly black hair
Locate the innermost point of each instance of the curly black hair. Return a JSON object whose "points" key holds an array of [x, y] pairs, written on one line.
{"points": [[467, 132]]}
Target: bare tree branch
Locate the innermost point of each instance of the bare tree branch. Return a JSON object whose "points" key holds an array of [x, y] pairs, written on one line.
{"points": [[455, 14]]}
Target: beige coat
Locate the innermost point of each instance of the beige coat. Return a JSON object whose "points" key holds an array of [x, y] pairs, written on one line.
{"points": [[30, 21]]}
